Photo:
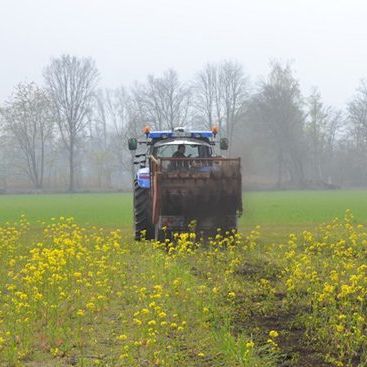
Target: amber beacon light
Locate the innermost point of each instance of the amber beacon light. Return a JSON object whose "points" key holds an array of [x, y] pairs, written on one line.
{"points": [[146, 130], [215, 130]]}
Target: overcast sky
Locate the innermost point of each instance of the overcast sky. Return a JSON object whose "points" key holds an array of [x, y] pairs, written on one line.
{"points": [[326, 39]]}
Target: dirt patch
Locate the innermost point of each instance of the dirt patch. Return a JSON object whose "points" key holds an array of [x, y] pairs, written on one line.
{"points": [[256, 314]]}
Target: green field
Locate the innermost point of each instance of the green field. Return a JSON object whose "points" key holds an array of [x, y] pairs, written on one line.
{"points": [[291, 294], [275, 210], [109, 210]]}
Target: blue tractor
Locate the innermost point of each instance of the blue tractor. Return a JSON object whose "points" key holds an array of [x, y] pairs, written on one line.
{"points": [[181, 179]]}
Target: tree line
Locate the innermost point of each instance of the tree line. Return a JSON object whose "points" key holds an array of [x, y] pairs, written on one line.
{"points": [[69, 134]]}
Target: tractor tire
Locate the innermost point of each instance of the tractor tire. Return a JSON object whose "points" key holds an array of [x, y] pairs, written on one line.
{"points": [[142, 213]]}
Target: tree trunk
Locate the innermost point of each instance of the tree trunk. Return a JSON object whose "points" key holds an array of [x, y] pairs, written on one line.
{"points": [[71, 166], [280, 168], [42, 167]]}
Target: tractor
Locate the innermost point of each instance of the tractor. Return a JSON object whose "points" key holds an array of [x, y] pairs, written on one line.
{"points": [[181, 181]]}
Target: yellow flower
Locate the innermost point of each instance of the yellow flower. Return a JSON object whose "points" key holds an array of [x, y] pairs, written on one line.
{"points": [[90, 306], [339, 328], [158, 288], [250, 344], [80, 313], [11, 262], [273, 334], [54, 351]]}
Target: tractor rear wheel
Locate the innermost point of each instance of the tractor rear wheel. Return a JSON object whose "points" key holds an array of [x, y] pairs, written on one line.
{"points": [[142, 213]]}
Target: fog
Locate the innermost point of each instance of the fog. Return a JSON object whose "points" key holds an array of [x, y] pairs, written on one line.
{"points": [[129, 39], [317, 48]]}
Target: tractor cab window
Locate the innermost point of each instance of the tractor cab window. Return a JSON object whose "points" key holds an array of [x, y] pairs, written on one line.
{"points": [[191, 151]]}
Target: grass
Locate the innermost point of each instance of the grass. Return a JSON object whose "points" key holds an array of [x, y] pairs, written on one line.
{"points": [[302, 207], [277, 212], [110, 210], [282, 212]]}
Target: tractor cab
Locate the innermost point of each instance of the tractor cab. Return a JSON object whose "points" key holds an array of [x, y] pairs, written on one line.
{"points": [[194, 148]]}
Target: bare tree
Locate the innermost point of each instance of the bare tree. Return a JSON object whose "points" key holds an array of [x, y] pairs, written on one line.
{"points": [[321, 127], [278, 107], [335, 126], [163, 101], [316, 129], [27, 116], [119, 111], [206, 101], [357, 113], [71, 82], [116, 118], [97, 144], [357, 144], [221, 93], [233, 92], [122, 120]]}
